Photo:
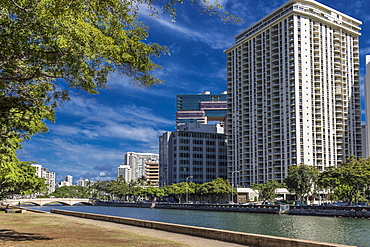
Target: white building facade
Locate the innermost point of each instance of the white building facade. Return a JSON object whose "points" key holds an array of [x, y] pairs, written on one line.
{"points": [[84, 182], [47, 175], [136, 162], [69, 180], [125, 172], [366, 135], [293, 92]]}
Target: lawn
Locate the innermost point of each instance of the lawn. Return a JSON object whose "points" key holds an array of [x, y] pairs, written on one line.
{"points": [[31, 229]]}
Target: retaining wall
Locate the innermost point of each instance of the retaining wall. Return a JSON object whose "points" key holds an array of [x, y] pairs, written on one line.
{"points": [[121, 204], [33, 210], [15, 209], [249, 239], [351, 212], [224, 208], [331, 211], [273, 209]]}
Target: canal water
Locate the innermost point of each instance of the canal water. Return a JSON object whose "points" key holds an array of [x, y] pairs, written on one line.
{"points": [[326, 229]]}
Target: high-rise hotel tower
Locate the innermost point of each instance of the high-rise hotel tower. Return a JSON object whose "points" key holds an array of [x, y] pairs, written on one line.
{"points": [[293, 88]]}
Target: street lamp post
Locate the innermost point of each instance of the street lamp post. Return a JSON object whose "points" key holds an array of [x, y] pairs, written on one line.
{"points": [[233, 185], [187, 194]]}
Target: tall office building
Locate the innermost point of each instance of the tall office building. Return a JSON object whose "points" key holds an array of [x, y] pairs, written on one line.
{"points": [[294, 92], [201, 108], [194, 151], [366, 136], [197, 149], [136, 162]]}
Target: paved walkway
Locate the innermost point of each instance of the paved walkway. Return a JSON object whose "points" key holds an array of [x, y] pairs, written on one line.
{"points": [[176, 237]]}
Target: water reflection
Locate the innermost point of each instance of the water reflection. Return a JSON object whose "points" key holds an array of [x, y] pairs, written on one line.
{"points": [[325, 229]]}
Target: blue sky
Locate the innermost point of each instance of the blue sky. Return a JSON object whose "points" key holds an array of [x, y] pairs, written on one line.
{"points": [[92, 133]]}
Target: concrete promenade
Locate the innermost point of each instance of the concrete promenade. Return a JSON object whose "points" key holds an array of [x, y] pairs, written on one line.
{"points": [[176, 237]]}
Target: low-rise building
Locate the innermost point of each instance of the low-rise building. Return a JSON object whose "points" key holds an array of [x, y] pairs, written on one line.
{"points": [[152, 173]]}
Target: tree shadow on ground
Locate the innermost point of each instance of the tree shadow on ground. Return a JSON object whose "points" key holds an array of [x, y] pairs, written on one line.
{"points": [[11, 235]]}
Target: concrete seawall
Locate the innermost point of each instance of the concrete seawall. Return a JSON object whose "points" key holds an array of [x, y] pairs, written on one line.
{"points": [[330, 211], [249, 239]]}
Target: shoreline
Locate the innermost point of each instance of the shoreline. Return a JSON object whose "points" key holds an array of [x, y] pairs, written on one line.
{"points": [[326, 211]]}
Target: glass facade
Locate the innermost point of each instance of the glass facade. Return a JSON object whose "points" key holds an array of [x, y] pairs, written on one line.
{"points": [[200, 108]]}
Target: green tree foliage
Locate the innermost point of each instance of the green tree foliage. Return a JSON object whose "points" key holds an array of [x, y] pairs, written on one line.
{"points": [[71, 191], [121, 190], [78, 42], [110, 189], [217, 190], [152, 192], [118, 189], [348, 179], [301, 180], [101, 188], [18, 178], [50, 46], [178, 190], [266, 191]]}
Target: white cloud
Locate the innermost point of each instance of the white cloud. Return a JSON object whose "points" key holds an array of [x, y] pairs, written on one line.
{"points": [[70, 157], [213, 36], [96, 121], [123, 85], [175, 74], [90, 110], [94, 134], [221, 2], [215, 39]]}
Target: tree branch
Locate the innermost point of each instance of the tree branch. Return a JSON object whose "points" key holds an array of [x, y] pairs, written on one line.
{"points": [[18, 6]]}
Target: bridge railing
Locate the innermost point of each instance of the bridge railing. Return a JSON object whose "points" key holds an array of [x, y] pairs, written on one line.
{"points": [[43, 201]]}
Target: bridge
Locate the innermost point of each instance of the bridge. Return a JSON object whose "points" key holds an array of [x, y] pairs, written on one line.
{"points": [[43, 201]]}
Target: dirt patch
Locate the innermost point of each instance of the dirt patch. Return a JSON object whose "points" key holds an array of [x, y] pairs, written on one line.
{"points": [[48, 230]]}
